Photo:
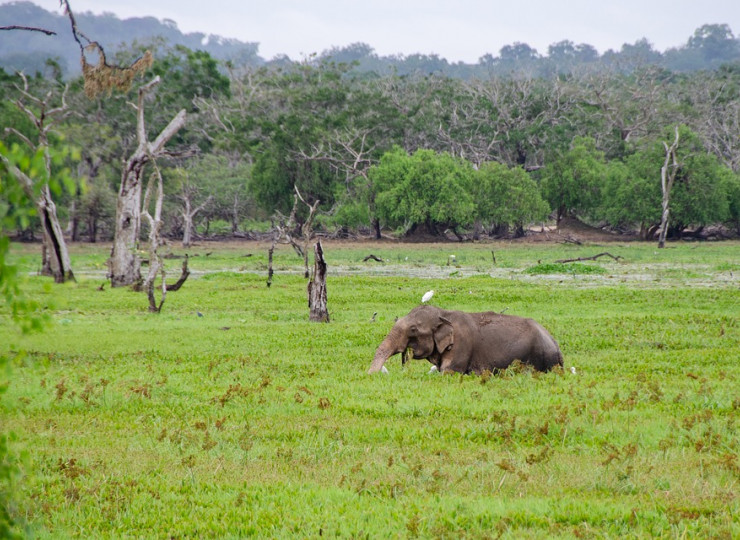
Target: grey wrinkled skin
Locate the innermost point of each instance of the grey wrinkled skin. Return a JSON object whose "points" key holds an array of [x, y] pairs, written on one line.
{"points": [[469, 342]]}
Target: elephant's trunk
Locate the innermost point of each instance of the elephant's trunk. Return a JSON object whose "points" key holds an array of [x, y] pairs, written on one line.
{"points": [[394, 343]]}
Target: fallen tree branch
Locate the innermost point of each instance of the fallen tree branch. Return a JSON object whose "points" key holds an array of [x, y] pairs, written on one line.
{"points": [[604, 254], [571, 240]]}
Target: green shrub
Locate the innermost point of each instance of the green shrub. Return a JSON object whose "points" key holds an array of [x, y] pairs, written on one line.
{"points": [[565, 268]]}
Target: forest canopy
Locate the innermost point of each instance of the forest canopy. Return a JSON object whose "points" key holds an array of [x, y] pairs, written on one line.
{"points": [[396, 143]]}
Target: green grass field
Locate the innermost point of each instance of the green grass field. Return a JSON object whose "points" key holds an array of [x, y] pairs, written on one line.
{"points": [[230, 415]]}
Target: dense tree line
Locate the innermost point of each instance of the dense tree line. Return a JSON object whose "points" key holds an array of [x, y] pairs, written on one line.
{"points": [[484, 155]]}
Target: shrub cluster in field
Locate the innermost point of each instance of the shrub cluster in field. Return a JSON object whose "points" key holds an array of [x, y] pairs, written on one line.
{"points": [[565, 268], [249, 420]]}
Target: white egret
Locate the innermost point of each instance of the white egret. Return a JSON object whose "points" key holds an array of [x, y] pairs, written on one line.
{"points": [[427, 296]]}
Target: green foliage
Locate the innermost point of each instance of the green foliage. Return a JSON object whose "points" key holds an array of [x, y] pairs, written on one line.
{"points": [[354, 214], [16, 212], [321, 125], [733, 196], [631, 192], [187, 75], [228, 184], [97, 207], [565, 268], [10, 524], [507, 196], [701, 195], [251, 421], [425, 188], [571, 182]]}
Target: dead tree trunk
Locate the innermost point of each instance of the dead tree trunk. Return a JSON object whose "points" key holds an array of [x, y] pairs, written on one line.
{"points": [[155, 260], [156, 266], [124, 264], [55, 257], [54, 254], [306, 228], [282, 233], [318, 311], [270, 271], [668, 173]]}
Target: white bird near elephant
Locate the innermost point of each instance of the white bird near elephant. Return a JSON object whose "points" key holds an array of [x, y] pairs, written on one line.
{"points": [[427, 296]]}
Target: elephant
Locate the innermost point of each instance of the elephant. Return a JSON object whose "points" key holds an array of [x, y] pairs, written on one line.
{"points": [[469, 342]]}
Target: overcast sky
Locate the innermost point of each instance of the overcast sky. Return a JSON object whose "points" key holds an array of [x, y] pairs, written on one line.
{"points": [[458, 30]]}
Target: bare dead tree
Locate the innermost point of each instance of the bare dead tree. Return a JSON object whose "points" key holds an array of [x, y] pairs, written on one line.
{"points": [[155, 260], [188, 192], [55, 256], [482, 122], [629, 106], [718, 118], [188, 213], [124, 264], [668, 173], [156, 265], [307, 228], [282, 233], [410, 97], [347, 152]]}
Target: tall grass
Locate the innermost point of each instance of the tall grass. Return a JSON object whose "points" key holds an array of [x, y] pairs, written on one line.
{"points": [[230, 415]]}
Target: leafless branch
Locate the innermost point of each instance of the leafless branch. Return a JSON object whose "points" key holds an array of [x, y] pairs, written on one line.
{"points": [[29, 29]]}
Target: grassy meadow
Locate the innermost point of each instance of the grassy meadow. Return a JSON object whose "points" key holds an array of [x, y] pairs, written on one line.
{"points": [[230, 415]]}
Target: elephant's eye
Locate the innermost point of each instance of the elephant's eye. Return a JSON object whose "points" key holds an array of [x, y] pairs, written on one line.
{"points": [[412, 330]]}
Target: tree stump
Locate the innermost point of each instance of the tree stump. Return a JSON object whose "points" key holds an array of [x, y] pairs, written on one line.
{"points": [[318, 311]]}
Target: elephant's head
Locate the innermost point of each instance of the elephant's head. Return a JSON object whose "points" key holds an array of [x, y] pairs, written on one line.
{"points": [[425, 330]]}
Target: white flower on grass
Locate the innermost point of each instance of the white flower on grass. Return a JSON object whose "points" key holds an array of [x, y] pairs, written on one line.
{"points": [[427, 296]]}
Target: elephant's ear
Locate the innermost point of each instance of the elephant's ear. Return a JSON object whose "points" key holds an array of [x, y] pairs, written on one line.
{"points": [[444, 335]]}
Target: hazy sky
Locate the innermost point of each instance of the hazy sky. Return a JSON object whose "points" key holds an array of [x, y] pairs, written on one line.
{"points": [[458, 30]]}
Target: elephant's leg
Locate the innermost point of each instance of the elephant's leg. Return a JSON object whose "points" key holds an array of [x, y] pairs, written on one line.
{"points": [[450, 362]]}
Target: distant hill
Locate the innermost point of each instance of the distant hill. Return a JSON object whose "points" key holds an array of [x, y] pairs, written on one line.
{"points": [[28, 51], [711, 46]]}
